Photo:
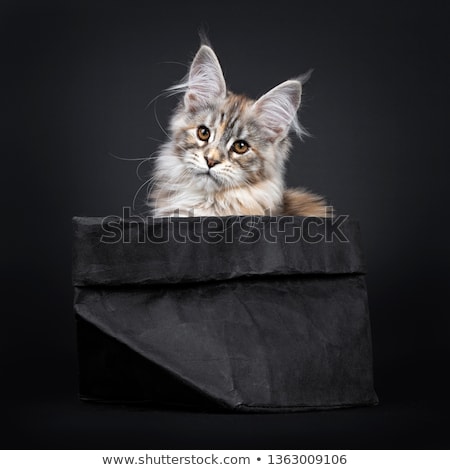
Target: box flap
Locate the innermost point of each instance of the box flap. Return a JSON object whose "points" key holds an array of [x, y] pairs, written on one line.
{"points": [[113, 251]]}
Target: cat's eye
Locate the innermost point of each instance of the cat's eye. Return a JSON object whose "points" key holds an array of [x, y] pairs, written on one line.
{"points": [[240, 147], [203, 133]]}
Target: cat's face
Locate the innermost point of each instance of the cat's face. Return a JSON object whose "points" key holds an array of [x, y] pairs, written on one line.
{"points": [[222, 144], [222, 140]]}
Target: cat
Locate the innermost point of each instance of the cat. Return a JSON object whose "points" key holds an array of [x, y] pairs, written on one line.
{"points": [[226, 153]]}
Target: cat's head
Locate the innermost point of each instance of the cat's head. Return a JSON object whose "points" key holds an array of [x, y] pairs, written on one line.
{"points": [[222, 140]]}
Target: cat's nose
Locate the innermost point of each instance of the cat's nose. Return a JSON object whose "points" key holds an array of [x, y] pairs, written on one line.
{"points": [[211, 161]]}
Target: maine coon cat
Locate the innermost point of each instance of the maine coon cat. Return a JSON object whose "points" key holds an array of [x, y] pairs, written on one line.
{"points": [[226, 153]]}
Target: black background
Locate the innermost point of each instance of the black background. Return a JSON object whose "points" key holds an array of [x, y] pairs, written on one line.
{"points": [[75, 84]]}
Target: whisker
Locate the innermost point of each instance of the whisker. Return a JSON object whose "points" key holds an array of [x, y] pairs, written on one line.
{"points": [[154, 139], [170, 62], [148, 159], [126, 159], [163, 93], [139, 189], [159, 123]]}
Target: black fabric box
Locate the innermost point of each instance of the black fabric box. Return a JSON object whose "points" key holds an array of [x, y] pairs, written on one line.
{"points": [[242, 313]]}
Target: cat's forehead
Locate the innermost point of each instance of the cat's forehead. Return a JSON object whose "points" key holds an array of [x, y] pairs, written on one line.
{"points": [[235, 106], [231, 110], [230, 116]]}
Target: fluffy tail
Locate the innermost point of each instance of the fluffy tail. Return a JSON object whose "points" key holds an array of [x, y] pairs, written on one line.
{"points": [[304, 203]]}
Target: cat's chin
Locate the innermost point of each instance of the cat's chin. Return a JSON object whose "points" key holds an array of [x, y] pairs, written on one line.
{"points": [[207, 180]]}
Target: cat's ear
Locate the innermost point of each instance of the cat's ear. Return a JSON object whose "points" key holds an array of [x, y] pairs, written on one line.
{"points": [[205, 82], [277, 109]]}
